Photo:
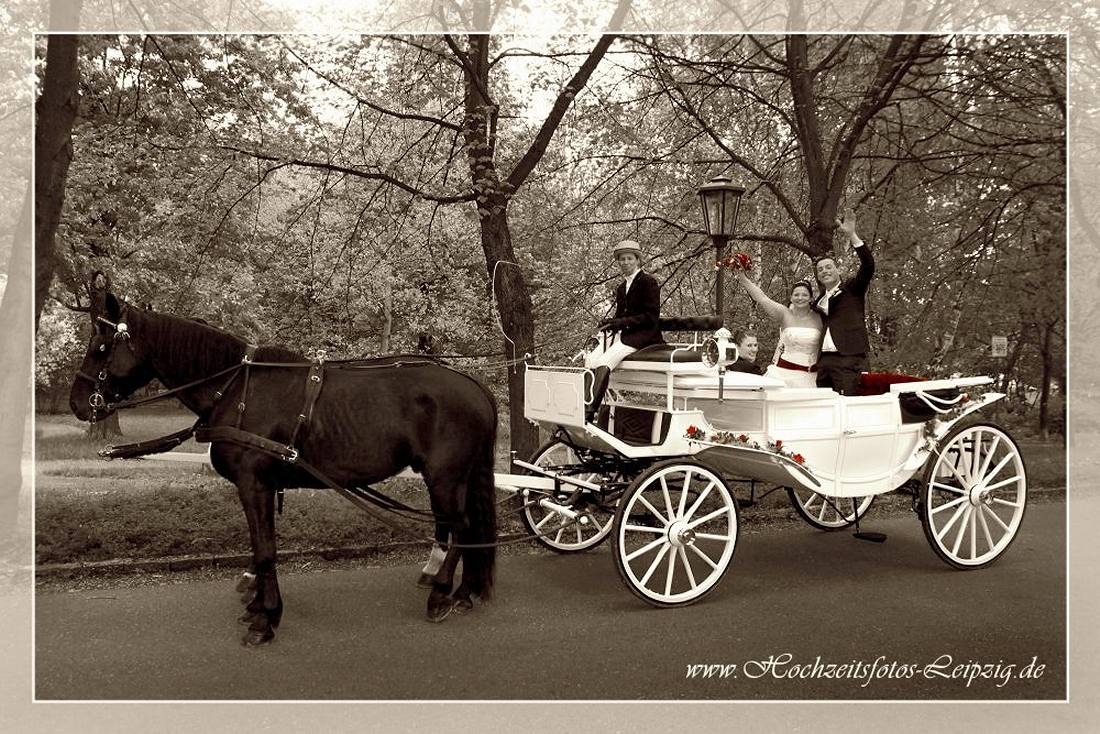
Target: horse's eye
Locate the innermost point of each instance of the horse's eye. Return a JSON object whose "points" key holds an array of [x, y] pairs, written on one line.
{"points": [[103, 347]]}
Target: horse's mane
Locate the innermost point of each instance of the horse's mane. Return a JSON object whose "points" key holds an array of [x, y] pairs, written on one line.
{"points": [[197, 347]]}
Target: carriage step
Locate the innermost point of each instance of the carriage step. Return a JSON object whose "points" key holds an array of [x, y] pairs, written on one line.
{"points": [[870, 537]]}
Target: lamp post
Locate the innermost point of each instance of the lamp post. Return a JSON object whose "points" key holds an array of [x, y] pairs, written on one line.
{"points": [[720, 199]]}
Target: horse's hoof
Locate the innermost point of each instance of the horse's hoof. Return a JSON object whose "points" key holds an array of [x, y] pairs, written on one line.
{"points": [[425, 581], [255, 638], [248, 618], [463, 605], [440, 612]]}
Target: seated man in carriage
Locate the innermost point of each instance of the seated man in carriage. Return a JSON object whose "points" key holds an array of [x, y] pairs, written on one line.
{"points": [[636, 323]]}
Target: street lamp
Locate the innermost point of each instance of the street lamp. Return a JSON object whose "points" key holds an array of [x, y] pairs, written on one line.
{"points": [[720, 199]]}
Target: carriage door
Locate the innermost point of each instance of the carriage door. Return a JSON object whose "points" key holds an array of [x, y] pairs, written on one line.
{"points": [[869, 444]]}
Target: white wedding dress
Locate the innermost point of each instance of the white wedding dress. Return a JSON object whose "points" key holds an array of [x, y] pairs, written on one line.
{"points": [[801, 345]]}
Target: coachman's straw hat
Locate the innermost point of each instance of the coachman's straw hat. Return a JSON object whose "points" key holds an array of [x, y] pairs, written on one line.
{"points": [[626, 246]]}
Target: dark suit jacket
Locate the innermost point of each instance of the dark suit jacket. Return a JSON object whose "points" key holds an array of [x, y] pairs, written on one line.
{"points": [[638, 313], [744, 365], [846, 320]]}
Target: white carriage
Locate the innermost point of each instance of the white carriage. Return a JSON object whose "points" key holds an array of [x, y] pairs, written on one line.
{"points": [[654, 469]]}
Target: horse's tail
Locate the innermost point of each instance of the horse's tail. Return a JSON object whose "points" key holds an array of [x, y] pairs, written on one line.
{"points": [[478, 564]]}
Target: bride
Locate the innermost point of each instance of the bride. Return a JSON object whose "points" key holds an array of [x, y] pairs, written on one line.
{"points": [[800, 336]]}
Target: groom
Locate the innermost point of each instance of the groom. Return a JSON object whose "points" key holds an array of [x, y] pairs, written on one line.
{"points": [[844, 344]]}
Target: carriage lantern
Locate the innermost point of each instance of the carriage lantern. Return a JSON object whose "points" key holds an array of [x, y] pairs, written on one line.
{"points": [[720, 199]]}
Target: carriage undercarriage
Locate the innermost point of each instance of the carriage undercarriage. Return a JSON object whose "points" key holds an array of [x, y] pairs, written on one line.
{"points": [[656, 470]]}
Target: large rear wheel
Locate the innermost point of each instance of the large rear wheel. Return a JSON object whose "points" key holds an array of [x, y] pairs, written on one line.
{"points": [[973, 495]]}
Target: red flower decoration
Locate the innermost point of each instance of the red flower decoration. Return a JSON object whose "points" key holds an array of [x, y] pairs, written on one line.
{"points": [[965, 398], [736, 261], [778, 445], [695, 433], [799, 458], [743, 438]]}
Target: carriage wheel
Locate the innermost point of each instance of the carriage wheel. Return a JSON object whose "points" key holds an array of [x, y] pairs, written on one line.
{"points": [[829, 513], [973, 495], [675, 533], [555, 531]]}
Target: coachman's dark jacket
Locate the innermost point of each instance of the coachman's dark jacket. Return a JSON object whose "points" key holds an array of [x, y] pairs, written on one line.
{"points": [[845, 320], [638, 313]]}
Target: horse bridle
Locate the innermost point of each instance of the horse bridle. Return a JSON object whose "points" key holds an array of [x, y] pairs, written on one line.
{"points": [[122, 334]]}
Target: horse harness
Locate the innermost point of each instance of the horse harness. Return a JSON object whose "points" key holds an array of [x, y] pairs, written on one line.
{"points": [[365, 498]]}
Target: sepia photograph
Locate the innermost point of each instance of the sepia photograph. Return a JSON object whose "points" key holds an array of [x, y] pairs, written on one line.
{"points": [[507, 354]]}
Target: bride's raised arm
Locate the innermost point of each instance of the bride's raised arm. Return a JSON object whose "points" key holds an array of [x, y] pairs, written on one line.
{"points": [[775, 311]]}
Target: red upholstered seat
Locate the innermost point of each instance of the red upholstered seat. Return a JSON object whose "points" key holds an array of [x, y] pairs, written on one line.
{"points": [[877, 383]]}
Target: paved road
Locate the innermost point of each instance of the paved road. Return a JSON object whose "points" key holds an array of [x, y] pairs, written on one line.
{"points": [[564, 627]]}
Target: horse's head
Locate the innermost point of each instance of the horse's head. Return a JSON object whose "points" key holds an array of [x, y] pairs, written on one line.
{"points": [[113, 367]]}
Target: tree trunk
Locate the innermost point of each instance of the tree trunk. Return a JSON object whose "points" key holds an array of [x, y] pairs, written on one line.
{"points": [[55, 113], [513, 302], [1044, 390]]}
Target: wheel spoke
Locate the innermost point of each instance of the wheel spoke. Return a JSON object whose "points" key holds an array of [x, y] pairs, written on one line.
{"points": [[989, 455], [962, 480], [580, 537], [664, 520], [646, 548], [668, 500], [824, 508], [699, 500], [949, 488], [644, 529], [985, 527], [714, 536], [989, 511], [709, 516], [592, 518], [557, 538], [973, 535], [670, 573], [1004, 482], [1000, 501], [653, 566], [946, 505], [705, 557], [962, 530], [687, 567], [1000, 465], [549, 516], [684, 493], [947, 526]]}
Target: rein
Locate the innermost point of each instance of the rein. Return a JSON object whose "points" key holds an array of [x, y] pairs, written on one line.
{"points": [[366, 499]]}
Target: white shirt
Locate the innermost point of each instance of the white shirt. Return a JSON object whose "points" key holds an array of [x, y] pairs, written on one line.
{"points": [[827, 341], [629, 280]]}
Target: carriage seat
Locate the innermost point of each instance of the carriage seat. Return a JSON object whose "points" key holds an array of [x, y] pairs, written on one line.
{"points": [[878, 383], [689, 323], [662, 352]]}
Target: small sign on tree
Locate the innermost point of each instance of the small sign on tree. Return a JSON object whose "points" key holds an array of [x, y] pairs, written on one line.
{"points": [[1000, 346]]}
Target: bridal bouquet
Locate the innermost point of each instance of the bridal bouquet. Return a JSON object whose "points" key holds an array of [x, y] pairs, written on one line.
{"points": [[736, 261]]}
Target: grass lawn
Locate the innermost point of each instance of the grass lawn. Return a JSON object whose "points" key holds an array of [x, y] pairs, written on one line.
{"points": [[87, 509]]}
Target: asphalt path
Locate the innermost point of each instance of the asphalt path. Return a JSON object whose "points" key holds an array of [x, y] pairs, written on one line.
{"points": [[800, 615]]}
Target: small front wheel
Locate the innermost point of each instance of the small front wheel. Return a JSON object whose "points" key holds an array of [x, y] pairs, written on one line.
{"points": [[553, 530], [675, 533], [829, 513], [973, 495]]}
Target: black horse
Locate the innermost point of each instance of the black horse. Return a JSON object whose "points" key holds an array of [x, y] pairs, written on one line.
{"points": [[370, 420]]}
